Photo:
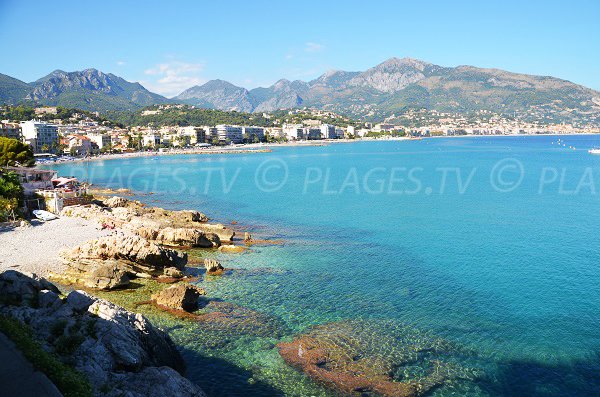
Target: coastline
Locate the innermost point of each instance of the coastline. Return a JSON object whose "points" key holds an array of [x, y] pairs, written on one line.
{"points": [[254, 148]]}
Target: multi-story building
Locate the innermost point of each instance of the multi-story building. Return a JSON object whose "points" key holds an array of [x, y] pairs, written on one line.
{"points": [[10, 130], [253, 134], [312, 133], [328, 131], [293, 131], [194, 135], [101, 140], [230, 133], [151, 139], [210, 134], [40, 136], [78, 144]]}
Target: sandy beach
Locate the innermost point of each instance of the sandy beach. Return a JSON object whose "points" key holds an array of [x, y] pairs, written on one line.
{"points": [[36, 248]]}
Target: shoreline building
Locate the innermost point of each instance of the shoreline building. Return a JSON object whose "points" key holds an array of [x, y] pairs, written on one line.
{"points": [[100, 140], [251, 133], [40, 135], [293, 131], [328, 131], [232, 133]]}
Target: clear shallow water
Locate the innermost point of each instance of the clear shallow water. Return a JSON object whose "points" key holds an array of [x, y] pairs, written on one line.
{"points": [[488, 243]]}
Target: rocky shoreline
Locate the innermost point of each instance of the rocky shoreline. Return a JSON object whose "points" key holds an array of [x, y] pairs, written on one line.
{"points": [[122, 353], [118, 351]]}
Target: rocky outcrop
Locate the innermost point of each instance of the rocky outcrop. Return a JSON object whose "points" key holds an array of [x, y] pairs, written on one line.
{"points": [[179, 297], [120, 352], [212, 266], [134, 255], [176, 228]]}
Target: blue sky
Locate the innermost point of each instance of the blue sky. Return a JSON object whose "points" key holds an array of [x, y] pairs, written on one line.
{"points": [[171, 45]]}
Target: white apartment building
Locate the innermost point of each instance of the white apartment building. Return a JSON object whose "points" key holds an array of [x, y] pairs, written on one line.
{"points": [[251, 132], [194, 134], [39, 135], [232, 133], [293, 131], [101, 140], [151, 139], [328, 131]]}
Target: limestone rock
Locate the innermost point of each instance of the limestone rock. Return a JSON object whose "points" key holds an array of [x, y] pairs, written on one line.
{"points": [[121, 353], [47, 298], [79, 301], [154, 382], [187, 237], [107, 276], [212, 265], [116, 201], [20, 287], [135, 254], [179, 297]]}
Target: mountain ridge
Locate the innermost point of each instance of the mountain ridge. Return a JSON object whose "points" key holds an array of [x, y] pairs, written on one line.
{"points": [[378, 93]]}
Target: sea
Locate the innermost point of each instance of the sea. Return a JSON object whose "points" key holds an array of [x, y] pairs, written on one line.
{"points": [[480, 253]]}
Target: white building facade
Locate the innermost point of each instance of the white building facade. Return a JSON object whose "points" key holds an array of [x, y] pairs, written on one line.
{"points": [[40, 135]]}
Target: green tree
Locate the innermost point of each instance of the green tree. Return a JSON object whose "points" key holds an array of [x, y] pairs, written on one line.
{"points": [[11, 192], [15, 153]]}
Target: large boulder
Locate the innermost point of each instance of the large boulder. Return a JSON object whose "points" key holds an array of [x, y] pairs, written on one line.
{"points": [[107, 276], [135, 255], [179, 297]]}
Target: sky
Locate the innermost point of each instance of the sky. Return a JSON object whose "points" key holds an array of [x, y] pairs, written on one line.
{"points": [[169, 46]]}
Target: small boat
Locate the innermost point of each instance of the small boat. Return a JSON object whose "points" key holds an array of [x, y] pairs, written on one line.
{"points": [[44, 215], [594, 151]]}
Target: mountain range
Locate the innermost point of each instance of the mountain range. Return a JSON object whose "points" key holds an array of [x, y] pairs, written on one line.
{"points": [[89, 89], [381, 92]]}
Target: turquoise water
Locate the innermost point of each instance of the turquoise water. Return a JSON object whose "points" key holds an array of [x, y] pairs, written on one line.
{"points": [[489, 243]]}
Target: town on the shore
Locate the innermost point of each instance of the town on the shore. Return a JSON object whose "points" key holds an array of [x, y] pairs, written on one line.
{"points": [[82, 135]]}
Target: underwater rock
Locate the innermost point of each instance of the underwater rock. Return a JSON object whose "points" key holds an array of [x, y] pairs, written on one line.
{"points": [[232, 249], [180, 297], [231, 319], [358, 357]]}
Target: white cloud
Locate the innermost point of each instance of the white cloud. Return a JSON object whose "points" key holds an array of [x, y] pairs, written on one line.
{"points": [[121, 63], [313, 47], [173, 77]]}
